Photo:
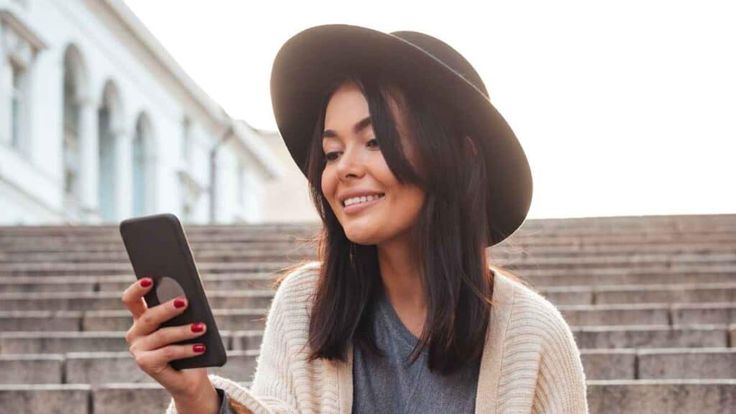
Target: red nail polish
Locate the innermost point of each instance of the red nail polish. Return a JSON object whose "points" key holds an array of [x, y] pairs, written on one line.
{"points": [[198, 348], [146, 282], [179, 303], [197, 327]]}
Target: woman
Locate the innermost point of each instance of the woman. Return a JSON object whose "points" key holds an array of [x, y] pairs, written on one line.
{"points": [[414, 173]]}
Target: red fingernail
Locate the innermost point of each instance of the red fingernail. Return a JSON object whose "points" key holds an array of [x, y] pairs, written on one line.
{"points": [[197, 327], [199, 348], [146, 282], [179, 303]]}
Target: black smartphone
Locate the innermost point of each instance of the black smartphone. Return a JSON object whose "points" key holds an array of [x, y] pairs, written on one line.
{"points": [[158, 248]]}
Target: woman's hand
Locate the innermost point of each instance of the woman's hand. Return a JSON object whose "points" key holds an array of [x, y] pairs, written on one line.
{"points": [[152, 349]]}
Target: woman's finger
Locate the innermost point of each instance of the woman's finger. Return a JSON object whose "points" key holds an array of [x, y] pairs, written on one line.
{"points": [[156, 362], [167, 336], [153, 317], [133, 296]]}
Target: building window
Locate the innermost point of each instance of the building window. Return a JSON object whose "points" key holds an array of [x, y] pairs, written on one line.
{"points": [[17, 105], [20, 46], [142, 168], [71, 134]]}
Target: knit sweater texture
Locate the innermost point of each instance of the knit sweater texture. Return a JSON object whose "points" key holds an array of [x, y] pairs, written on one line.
{"points": [[530, 361]]}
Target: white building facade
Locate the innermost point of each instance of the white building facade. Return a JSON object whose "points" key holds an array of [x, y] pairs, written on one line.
{"points": [[98, 123]]}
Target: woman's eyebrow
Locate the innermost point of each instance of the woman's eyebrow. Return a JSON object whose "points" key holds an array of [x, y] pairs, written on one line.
{"points": [[361, 125]]}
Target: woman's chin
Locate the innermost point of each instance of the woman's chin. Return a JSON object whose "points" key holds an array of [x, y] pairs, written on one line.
{"points": [[364, 238]]}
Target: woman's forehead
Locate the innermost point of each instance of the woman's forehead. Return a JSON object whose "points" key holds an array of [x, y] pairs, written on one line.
{"points": [[348, 103]]}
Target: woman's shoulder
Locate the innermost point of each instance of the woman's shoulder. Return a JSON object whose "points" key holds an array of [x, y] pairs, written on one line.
{"points": [[299, 280], [530, 310]]}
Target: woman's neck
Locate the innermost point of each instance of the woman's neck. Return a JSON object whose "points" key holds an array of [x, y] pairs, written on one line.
{"points": [[400, 275]]}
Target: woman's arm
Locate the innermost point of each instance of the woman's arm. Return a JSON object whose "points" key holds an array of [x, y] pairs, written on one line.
{"points": [[561, 386], [272, 390]]}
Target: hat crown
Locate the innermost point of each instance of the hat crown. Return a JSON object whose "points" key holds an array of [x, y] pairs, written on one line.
{"points": [[445, 54]]}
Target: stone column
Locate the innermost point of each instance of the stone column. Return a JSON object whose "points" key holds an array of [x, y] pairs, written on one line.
{"points": [[123, 175], [6, 87], [88, 160]]}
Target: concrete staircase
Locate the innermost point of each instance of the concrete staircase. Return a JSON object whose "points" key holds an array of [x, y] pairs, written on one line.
{"points": [[651, 301]]}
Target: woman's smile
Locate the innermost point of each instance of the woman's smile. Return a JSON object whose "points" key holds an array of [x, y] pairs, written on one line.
{"points": [[359, 204]]}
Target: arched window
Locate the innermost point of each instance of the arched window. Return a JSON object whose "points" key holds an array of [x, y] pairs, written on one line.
{"points": [[143, 178], [18, 99], [109, 124], [71, 135]]}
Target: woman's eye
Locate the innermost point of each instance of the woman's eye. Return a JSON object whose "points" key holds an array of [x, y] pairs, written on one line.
{"points": [[331, 156]]}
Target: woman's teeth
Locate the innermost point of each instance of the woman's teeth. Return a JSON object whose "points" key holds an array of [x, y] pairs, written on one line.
{"points": [[357, 200]]}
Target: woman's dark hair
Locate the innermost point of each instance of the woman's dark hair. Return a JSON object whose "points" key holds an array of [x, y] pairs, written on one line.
{"points": [[451, 233]]}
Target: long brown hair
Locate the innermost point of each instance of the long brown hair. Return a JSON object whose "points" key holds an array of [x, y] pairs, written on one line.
{"points": [[451, 232]]}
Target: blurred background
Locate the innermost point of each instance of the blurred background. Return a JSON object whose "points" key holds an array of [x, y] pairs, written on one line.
{"points": [[112, 108]]}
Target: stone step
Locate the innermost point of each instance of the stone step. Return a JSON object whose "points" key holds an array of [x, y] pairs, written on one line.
{"points": [[204, 246], [601, 274], [597, 337], [618, 271], [654, 336], [579, 247], [672, 242], [262, 280], [662, 396], [694, 364], [650, 314], [242, 318], [523, 269], [563, 279], [226, 319], [50, 301], [641, 260], [114, 320], [109, 341], [204, 249], [271, 255], [54, 399], [604, 397], [655, 293], [94, 269], [118, 283], [114, 367], [32, 369], [120, 269], [102, 367], [41, 321], [195, 232], [666, 363], [562, 295], [531, 227]]}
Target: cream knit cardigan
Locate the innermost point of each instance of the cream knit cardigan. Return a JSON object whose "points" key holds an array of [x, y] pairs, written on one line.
{"points": [[530, 362]]}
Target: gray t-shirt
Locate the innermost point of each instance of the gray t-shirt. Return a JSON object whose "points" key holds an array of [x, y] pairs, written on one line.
{"points": [[392, 385]]}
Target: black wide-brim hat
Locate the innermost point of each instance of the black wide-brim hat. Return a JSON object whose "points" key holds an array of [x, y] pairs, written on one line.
{"points": [[311, 60]]}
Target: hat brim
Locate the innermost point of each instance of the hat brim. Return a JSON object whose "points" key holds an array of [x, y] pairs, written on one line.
{"points": [[309, 61]]}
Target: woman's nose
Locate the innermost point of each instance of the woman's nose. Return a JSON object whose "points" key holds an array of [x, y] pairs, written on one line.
{"points": [[350, 163]]}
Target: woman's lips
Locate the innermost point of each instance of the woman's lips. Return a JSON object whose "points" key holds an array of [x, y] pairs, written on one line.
{"points": [[357, 208]]}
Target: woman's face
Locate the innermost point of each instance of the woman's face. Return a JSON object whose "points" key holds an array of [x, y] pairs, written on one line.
{"points": [[355, 167]]}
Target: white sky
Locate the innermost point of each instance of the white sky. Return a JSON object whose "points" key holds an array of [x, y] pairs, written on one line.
{"points": [[622, 107]]}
